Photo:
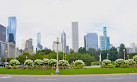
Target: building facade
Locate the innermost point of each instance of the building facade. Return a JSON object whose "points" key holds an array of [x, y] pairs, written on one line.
{"points": [[29, 46], [91, 41], [11, 29], [63, 41], [104, 40], [67, 49], [54, 47], [2, 41], [39, 46], [75, 36]]}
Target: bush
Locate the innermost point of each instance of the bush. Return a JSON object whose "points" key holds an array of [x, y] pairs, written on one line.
{"points": [[119, 62], [124, 66], [130, 62], [29, 62], [79, 64], [38, 62], [63, 63], [135, 58], [14, 67], [14, 62], [8, 66], [107, 66], [52, 62], [94, 63], [45, 61], [106, 62]]}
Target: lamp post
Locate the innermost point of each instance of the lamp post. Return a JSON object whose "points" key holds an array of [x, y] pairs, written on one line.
{"points": [[6, 57], [128, 57], [57, 69], [63, 54], [107, 56], [100, 59], [124, 54]]}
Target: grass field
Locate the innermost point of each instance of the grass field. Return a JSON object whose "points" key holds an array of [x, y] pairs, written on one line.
{"points": [[69, 71]]}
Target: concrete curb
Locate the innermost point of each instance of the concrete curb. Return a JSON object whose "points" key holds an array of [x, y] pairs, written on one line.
{"points": [[70, 75]]}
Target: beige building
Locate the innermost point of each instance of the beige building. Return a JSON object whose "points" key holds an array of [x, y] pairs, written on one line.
{"points": [[10, 50]]}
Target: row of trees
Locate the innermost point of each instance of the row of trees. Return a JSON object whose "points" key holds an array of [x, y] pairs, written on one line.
{"points": [[113, 53], [87, 56]]}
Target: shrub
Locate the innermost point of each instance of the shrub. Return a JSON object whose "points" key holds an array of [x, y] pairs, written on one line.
{"points": [[38, 62], [94, 63], [14, 67], [63, 63], [130, 62], [52, 62], [29, 62], [45, 61], [106, 62], [107, 66], [119, 62], [8, 66], [14, 62], [79, 64], [135, 58]]}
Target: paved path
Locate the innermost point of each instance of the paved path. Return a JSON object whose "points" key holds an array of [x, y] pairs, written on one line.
{"points": [[92, 67], [96, 78]]}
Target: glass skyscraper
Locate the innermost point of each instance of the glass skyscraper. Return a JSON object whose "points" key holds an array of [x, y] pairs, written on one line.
{"points": [[104, 40], [63, 41], [91, 41], [75, 36], [39, 46], [2, 41], [11, 29]]}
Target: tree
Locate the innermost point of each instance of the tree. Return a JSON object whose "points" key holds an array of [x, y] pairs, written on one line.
{"points": [[71, 51], [104, 54], [121, 52], [82, 50], [113, 54]]}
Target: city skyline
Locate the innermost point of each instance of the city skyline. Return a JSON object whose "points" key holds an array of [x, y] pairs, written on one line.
{"points": [[52, 17]]}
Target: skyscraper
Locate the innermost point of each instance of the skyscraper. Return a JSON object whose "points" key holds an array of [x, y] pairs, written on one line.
{"points": [[104, 40], [29, 46], [75, 36], [91, 41], [39, 46], [2, 41], [11, 29], [63, 41], [54, 46]]}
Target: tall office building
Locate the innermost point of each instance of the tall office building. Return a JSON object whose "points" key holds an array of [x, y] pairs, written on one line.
{"points": [[91, 41], [2, 41], [39, 46], [29, 46], [104, 40], [11, 29], [67, 49], [63, 41], [133, 48], [54, 47], [75, 36]]}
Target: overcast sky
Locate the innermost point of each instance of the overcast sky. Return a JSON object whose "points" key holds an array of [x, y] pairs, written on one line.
{"points": [[51, 17]]}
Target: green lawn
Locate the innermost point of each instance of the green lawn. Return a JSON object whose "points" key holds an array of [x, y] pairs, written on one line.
{"points": [[69, 71]]}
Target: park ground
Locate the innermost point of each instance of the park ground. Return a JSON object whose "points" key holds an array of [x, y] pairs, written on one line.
{"points": [[86, 71]]}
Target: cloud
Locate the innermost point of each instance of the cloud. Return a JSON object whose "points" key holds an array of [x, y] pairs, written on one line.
{"points": [[51, 17]]}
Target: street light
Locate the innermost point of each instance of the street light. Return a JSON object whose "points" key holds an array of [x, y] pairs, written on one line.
{"points": [[57, 69], [124, 53], [107, 56], [63, 54], [100, 59], [6, 57]]}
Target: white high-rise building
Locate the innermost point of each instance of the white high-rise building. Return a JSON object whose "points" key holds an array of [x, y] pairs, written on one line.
{"points": [[63, 41], [133, 47], [75, 36], [54, 47]]}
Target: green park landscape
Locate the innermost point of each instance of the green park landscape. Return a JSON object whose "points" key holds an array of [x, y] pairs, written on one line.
{"points": [[44, 62]]}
